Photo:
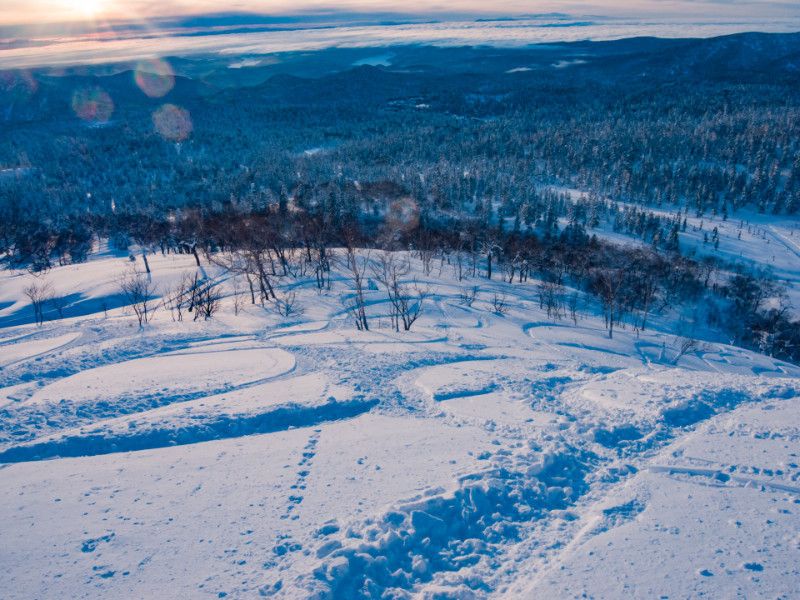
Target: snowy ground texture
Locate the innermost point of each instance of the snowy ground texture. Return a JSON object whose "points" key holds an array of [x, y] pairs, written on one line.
{"points": [[479, 455]]}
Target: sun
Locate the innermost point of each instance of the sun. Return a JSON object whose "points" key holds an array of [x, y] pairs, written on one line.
{"points": [[87, 9], [90, 8]]}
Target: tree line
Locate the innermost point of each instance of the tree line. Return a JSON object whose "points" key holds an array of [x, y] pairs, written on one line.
{"points": [[630, 284]]}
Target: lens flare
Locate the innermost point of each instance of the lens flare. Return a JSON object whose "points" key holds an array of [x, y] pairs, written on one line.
{"points": [[154, 77], [172, 122], [403, 214], [19, 85], [93, 105]]}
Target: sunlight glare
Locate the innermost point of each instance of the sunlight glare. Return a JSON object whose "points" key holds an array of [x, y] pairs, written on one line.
{"points": [[85, 8]]}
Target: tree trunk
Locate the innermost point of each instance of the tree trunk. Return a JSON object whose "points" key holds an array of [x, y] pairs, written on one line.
{"points": [[252, 291], [146, 264], [196, 257]]}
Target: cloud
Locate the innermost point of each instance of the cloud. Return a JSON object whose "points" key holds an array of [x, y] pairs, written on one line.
{"points": [[142, 44]]}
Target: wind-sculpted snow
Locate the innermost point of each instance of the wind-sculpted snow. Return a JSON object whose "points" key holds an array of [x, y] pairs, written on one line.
{"points": [[16, 351], [253, 409], [136, 385], [478, 456], [278, 418], [168, 373]]}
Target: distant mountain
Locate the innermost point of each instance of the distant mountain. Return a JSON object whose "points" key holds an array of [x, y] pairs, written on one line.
{"points": [[335, 75], [744, 56]]}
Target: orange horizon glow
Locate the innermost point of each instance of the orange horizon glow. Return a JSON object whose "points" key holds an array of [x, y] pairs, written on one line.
{"points": [[41, 12]]}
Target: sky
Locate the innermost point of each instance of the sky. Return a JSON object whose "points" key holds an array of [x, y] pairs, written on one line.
{"points": [[37, 12]]}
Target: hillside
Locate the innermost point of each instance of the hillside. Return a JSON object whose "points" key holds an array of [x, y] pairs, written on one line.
{"points": [[482, 453]]}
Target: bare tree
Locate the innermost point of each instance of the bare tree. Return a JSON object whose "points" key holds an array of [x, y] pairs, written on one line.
{"points": [[139, 293], [458, 262], [256, 264], [355, 303], [178, 298], [39, 292], [406, 301], [192, 287], [238, 264], [509, 266], [409, 304], [59, 303], [499, 303], [648, 292], [426, 247], [489, 248], [607, 283], [551, 299], [646, 274], [207, 302], [315, 234], [251, 262], [238, 296], [684, 346], [286, 304], [467, 295], [389, 272], [573, 304], [322, 267]]}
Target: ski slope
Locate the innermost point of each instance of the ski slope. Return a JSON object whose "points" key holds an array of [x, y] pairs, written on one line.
{"points": [[478, 455]]}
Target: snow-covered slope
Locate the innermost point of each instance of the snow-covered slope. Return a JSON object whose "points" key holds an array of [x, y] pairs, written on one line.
{"points": [[479, 455]]}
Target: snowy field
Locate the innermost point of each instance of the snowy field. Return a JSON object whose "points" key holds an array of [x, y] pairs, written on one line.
{"points": [[478, 455]]}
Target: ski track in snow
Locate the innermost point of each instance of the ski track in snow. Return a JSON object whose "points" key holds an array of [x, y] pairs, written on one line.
{"points": [[478, 455]]}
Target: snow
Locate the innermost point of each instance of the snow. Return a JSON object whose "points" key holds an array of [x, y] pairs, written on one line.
{"points": [[197, 520], [712, 515], [14, 352], [198, 371], [479, 455]]}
